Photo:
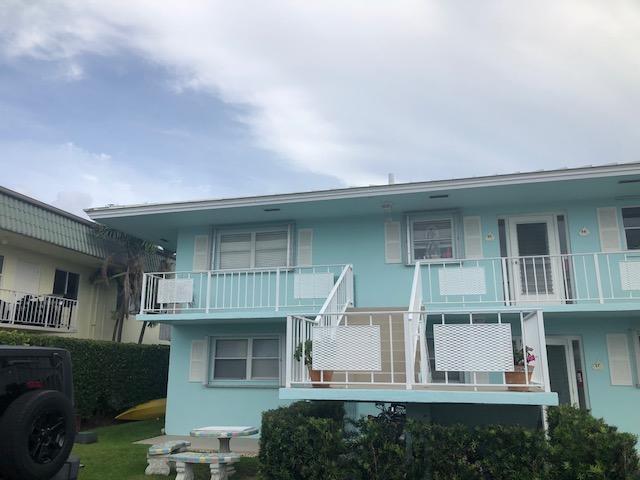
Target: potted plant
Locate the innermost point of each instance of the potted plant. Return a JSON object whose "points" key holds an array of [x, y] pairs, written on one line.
{"points": [[316, 376], [518, 376]]}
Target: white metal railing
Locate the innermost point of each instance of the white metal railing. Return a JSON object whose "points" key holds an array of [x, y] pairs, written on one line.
{"points": [[340, 298], [487, 365], [301, 287], [531, 280], [33, 311]]}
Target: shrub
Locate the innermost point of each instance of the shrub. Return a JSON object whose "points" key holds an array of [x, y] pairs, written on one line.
{"points": [[108, 377], [459, 452], [584, 447], [302, 441]]}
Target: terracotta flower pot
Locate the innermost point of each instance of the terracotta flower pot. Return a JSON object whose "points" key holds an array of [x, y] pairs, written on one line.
{"points": [[518, 376], [317, 376]]}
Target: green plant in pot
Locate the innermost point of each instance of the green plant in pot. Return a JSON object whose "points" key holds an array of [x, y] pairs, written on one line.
{"points": [[518, 376], [316, 376]]}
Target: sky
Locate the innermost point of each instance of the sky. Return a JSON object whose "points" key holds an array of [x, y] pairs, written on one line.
{"points": [[137, 101]]}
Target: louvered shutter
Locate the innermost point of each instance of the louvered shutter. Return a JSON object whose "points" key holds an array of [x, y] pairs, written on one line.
{"points": [[197, 361], [305, 247], [392, 242], [609, 229], [472, 237], [235, 251], [619, 359], [271, 249], [201, 253]]}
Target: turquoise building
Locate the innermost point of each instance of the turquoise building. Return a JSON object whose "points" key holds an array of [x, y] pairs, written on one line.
{"points": [[469, 300]]}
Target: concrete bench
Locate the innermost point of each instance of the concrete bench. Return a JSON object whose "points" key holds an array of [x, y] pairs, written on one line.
{"points": [[158, 456], [220, 464]]}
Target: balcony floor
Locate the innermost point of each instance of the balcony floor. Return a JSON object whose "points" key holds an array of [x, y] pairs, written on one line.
{"points": [[421, 396]]}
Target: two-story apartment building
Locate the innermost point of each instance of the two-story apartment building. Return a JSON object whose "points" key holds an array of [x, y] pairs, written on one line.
{"points": [[476, 299], [49, 261]]}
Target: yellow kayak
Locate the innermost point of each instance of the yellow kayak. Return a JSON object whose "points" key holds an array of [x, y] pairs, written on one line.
{"points": [[145, 411]]}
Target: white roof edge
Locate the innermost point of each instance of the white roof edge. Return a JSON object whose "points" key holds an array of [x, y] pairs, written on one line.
{"points": [[578, 173]]}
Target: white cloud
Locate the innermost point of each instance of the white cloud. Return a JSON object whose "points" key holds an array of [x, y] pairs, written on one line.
{"points": [[73, 179], [427, 89]]}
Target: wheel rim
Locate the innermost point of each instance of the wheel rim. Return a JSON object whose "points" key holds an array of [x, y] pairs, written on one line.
{"points": [[46, 437]]}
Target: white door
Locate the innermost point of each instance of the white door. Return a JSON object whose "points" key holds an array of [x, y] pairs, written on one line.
{"points": [[535, 261], [27, 279], [562, 370]]}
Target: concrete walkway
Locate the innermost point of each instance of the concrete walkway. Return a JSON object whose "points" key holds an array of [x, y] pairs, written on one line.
{"points": [[247, 446]]}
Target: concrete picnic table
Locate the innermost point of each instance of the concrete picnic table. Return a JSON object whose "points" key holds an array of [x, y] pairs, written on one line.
{"points": [[224, 434]]}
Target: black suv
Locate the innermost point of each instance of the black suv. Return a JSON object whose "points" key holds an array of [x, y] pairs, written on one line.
{"points": [[37, 425]]}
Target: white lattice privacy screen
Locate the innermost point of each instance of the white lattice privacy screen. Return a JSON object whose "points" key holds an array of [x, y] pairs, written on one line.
{"points": [[178, 290], [473, 348], [353, 348], [312, 285], [630, 275], [462, 281]]}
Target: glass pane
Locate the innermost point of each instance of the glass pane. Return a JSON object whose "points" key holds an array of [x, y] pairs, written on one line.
{"points": [[631, 217], [633, 239], [432, 249], [271, 249], [231, 348], [432, 230], [265, 347], [60, 282], [235, 251], [230, 369], [265, 369], [532, 239]]}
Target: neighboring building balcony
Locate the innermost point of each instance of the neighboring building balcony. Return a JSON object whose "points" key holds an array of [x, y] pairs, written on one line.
{"points": [[22, 310], [542, 280], [443, 357], [250, 292]]}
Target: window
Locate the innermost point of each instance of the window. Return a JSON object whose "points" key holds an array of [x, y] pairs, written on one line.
{"points": [[631, 223], [432, 239], [66, 284], [245, 359], [259, 249], [164, 333]]}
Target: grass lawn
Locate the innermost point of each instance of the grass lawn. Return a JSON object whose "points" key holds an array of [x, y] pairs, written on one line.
{"points": [[115, 457]]}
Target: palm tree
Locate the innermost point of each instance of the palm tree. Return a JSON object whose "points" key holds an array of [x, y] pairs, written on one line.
{"points": [[125, 265]]}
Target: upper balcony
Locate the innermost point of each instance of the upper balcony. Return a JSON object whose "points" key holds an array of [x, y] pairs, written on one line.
{"points": [[577, 279], [254, 292], [23, 310]]}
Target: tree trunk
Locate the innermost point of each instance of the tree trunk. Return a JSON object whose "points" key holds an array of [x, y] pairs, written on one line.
{"points": [[120, 325], [142, 330], [115, 329]]}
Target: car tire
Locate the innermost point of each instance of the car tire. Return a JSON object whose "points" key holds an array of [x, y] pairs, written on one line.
{"points": [[36, 435]]}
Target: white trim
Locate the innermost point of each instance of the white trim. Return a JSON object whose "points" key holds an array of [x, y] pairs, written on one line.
{"points": [[580, 173], [567, 343]]}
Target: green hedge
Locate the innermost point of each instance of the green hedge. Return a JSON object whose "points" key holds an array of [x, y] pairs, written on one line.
{"points": [[108, 377], [297, 444]]}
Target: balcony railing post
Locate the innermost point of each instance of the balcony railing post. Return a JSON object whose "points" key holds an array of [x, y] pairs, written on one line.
{"points": [[277, 290], [409, 358], [505, 281], [208, 292], [143, 293], [289, 351], [596, 265]]}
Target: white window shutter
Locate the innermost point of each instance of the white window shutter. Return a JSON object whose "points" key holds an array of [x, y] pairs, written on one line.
{"points": [[472, 237], [201, 253], [619, 359], [305, 247], [197, 361], [392, 242], [609, 229]]}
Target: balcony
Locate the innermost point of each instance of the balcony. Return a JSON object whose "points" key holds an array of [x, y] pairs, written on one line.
{"points": [[22, 310], [250, 291], [593, 278], [419, 356]]}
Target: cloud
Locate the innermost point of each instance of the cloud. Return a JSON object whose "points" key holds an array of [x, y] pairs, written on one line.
{"points": [[73, 179], [356, 89]]}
